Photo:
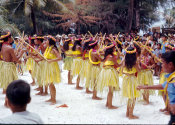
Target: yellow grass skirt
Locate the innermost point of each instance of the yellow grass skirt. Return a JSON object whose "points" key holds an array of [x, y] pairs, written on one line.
{"points": [[76, 66], [8, 74], [85, 72], [68, 63], [40, 73], [30, 63], [161, 81], [94, 73], [108, 77], [34, 69], [145, 77], [51, 73], [129, 86]]}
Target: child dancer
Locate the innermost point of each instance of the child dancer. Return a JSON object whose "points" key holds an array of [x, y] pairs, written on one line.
{"points": [[30, 60], [109, 76], [77, 61], [86, 66], [145, 76], [130, 68], [68, 60], [95, 60], [52, 70]]}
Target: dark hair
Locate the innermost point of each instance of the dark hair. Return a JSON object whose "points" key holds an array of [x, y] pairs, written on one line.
{"points": [[130, 59], [18, 93], [86, 47], [107, 39], [32, 42], [169, 57], [108, 51], [66, 45], [77, 42], [159, 44], [93, 46], [52, 42], [138, 49], [40, 39], [120, 47], [4, 39]]}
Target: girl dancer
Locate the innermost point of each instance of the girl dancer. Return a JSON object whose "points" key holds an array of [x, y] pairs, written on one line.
{"points": [[109, 76], [130, 68]]}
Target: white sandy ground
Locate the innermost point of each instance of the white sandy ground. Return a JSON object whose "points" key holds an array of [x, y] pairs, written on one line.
{"points": [[83, 110]]}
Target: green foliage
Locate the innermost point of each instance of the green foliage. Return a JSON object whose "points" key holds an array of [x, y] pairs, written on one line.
{"points": [[113, 14]]}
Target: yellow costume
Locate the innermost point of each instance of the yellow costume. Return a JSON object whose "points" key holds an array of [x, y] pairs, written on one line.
{"points": [[77, 63], [8, 73], [68, 60], [130, 84], [94, 72], [145, 77], [40, 73], [161, 81], [108, 77], [51, 70], [86, 70], [30, 63]]}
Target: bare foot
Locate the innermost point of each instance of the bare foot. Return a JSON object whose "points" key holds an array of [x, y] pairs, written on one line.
{"points": [[5, 104], [163, 110], [146, 103], [53, 102], [79, 88], [112, 107], [50, 100], [37, 89], [32, 84], [167, 113], [44, 94], [39, 93], [127, 114], [4, 92], [96, 98], [71, 83], [106, 104], [89, 92], [133, 117]]}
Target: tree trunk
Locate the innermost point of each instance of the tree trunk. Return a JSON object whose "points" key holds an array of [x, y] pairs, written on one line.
{"points": [[137, 12], [35, 31], [78, 28], [130, 15]]}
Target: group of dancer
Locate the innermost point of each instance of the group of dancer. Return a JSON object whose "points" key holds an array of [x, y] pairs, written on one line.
{"points": [[97, 61]]}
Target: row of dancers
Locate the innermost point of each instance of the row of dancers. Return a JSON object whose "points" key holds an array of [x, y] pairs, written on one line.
{"points": [[97, 60]]}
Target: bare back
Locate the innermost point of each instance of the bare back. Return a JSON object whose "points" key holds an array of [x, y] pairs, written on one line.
{"points": [[8, 53]]}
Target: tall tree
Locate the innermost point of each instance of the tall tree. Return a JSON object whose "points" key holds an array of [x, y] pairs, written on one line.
{"points": [[30, 8]]}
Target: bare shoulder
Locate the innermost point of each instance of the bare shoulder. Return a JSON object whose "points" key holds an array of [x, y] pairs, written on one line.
{"points": [[8, 48], [54, 50]]}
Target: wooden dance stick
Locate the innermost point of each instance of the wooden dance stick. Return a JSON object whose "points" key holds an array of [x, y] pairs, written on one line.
{"points": [[31, 47], [144, 46], [103, 38], [116, 45], [153, 55], [90, 34]]}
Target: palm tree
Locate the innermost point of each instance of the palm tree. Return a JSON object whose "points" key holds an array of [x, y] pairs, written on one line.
{"points": [[4, 24], [29, 8]]}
